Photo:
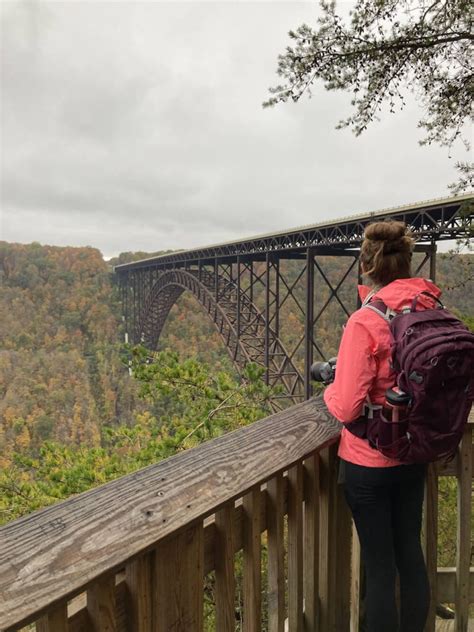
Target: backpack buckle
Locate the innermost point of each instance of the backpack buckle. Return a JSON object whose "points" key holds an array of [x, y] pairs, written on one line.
{"points": [[415, 377]]}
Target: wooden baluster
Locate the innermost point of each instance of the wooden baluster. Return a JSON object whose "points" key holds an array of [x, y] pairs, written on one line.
{"points": [[224, 563], [295, 548], [178, 580], [311, 543], [54, 621], [276, 554], [464, 529], [356, 570], [138, 577], [328, 530], [251, 555], [101, 605], [430, 544], [343, 532]]}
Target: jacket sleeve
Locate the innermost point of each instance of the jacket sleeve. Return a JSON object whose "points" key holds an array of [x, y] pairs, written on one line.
{"points": [[356, 370]]}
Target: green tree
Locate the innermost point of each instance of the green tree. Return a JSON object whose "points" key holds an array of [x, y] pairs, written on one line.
{"points": [[187, 405], [387, 48]]}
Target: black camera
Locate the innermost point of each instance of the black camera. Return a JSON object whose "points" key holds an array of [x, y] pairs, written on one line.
{"points": [[324, 371]]}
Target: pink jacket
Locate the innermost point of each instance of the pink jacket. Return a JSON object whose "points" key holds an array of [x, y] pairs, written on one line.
{"points": [[363, 365]]}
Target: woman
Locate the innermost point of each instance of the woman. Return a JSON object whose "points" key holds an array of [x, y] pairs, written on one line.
{"points": [[385, 496]]}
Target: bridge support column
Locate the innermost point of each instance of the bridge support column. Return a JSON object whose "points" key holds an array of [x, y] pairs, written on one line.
{"points": [[239, 302], [275, 320], [309, 320], [251, 281], [134, 307], [359, 281], [267, 319], [433, 261], [272, 308]]}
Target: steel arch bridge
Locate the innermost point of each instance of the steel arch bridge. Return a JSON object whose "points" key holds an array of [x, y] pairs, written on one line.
{"points": [[246, 286]]}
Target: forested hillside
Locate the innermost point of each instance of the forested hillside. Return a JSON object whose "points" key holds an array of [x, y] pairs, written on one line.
{"points": [[60, 373], [60, 329]]}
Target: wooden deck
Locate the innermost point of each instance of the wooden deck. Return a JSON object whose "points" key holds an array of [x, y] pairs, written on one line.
{"points": [[133, 553], [447, 625]]}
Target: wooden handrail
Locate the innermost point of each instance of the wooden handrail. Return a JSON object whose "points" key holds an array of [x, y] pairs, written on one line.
{"points": [[131, 555], [54, 553]]}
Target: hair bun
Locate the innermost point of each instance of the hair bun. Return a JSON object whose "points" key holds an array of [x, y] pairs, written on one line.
{"points": [[385, 231], [386, 251]]}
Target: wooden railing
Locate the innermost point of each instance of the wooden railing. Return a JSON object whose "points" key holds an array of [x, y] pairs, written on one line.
{"points": [[133, 555]]}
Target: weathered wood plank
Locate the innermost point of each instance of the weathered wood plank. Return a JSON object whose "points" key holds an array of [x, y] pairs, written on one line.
{"points": [[295, 548], [464, 531], [430, 543], [252, 561], [311, 544], [276, 551], [43, 553], [225, 579], [178, 581], [138, 579], [101, 605], [54, 621]]}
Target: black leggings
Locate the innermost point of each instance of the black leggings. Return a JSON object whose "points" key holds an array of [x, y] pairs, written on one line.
{"points": [[386, 503]]}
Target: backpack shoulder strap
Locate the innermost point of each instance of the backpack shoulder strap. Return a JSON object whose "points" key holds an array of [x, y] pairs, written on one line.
{"points": [[379, 308]]}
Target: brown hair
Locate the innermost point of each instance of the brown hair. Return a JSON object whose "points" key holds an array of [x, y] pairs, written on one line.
{"points": [[386, 252]]}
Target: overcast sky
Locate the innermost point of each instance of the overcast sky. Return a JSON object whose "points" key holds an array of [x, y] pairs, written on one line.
{"points": [[139, 126]]}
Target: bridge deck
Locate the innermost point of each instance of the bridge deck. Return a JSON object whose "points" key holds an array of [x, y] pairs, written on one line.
{"points": [[438, 219]]}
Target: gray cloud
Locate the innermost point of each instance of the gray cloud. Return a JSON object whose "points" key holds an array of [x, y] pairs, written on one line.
{"points": [[139, 126]]}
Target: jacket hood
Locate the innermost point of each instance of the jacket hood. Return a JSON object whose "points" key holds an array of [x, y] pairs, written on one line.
{"points": [[400, 293]]}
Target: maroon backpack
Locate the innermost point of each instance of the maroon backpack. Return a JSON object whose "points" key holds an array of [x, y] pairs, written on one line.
{"points": [[433, 358]]}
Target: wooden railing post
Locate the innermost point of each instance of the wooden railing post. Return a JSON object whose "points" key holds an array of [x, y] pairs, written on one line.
{"points": [[54, 621], [276, 569], [178, 579], [430, 536], [356, 571], [295, 548], [224, 563], [343, 562], [328, 531], [464, 531], [252, 561], [311, 543], [138, 577], [101, 605]]}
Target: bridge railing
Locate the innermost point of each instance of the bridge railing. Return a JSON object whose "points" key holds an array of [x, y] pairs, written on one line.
{"points": [[134, 555]]}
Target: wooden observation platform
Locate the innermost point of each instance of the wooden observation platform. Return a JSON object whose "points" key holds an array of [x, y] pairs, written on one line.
{"points": [[133, 555]]}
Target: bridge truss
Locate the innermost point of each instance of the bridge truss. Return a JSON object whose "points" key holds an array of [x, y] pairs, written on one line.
{"points": [[252, 289]]}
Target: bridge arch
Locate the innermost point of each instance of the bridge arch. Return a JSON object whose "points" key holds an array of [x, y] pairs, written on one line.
{"points": [[246, 341]]}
